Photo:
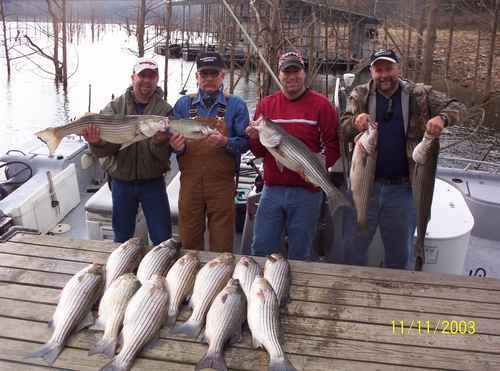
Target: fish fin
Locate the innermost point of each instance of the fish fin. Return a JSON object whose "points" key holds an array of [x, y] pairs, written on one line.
{"points": [[49, 352], [86, 322], [336, 200], [190, 328], [49, 136], [50, 324], [255, 343], [278, 164], [281, 364], [104, 346], [152, 343], [114, 366], [214, 360], [235, 338], [98, 325], [170, 322]]}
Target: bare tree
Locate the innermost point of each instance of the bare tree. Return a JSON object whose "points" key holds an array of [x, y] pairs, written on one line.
{"points": [[430, 41], [491, 54], [4, 33]]}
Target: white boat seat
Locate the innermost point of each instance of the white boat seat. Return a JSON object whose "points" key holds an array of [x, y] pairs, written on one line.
{"points": [[100, 203]]}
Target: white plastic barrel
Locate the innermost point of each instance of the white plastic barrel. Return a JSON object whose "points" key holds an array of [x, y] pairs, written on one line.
{"points": [[448, 231]]}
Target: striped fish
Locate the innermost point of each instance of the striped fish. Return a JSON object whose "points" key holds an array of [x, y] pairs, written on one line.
{"points": [[224, 322], [180, 282], [124, 259], [210, 280], [293, 154], [73, 311], [263, 320], [245, 272], [111, 313], [362, 175], [125, 130], [277, 273], [158, 260], [144, 317], [425, 156]]}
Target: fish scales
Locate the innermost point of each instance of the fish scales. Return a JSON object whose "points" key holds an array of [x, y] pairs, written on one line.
{"points": [[211, 279], [180, 281], [124, 259], [277, 273], [263, 320], [77, 298], [425, 155], [158, 260], [143, 318]]}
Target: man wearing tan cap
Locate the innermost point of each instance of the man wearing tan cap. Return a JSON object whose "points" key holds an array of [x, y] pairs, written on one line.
{"points": [[137, 174]]}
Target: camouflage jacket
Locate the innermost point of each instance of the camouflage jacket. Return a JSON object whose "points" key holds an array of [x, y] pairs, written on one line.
{"points": [[419, 104], [142, 160]]}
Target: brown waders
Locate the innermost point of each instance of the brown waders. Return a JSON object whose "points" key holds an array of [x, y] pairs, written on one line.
{"points": [[207, 191]]}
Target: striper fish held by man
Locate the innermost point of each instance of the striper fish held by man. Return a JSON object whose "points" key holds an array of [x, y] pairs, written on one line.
{"points": [[362, 174], [425, 156], [124, 259], [263, 320], [73, 311], [143, 319], [180, 281], [277, 273], [125, 130], [158, 260], [293, 154], [111, 312], [210, 280], [224, 321]]}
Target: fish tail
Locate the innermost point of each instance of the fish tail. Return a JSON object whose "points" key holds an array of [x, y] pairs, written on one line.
{"points": [[106, 346], [190, 328], [115, 365], [336, 200], [49, 136], [49, 352], [214, 360], [281, 364]]}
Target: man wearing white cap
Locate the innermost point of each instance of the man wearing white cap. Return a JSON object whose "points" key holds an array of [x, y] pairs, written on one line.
{"points": [[403, 111], [137, 174]]}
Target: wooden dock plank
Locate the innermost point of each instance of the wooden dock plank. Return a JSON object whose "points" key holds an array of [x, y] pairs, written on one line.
{"points": [[18, 366], [339, 317], [368, 273], [299, 279], [321, 352], [337, 329], [302, 293]]}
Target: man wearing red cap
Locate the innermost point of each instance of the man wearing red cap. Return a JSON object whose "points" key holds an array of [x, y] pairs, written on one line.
{"points": [[137, 171], [288, 201]]}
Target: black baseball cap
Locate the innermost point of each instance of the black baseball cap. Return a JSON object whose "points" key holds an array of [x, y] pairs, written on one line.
{"points": [[291, 59], [209, 61], [383, 54]]}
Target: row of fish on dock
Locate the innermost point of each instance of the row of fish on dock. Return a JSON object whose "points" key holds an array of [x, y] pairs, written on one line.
{"points": [[132, 308]]}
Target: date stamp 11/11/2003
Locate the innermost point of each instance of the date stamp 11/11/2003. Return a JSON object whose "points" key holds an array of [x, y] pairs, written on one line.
{"points": [[433, 327]]}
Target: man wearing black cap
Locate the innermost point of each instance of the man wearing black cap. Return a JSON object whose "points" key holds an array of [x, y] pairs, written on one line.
{"points": [[288, 201], [403, 111], [208, 166]]}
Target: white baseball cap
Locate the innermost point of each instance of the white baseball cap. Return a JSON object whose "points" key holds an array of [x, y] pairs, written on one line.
{"points": [[145, 64]]}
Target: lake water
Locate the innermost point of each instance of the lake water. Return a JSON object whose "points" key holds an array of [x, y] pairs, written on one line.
{"points": [[30, 101]]}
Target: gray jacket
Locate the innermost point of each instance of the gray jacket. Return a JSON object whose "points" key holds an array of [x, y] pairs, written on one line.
{"points": [[142, 160]]}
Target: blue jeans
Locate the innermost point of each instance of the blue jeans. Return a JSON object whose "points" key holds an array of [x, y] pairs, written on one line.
{"points": [[292, 208], [152, 195], [390, 207]]}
